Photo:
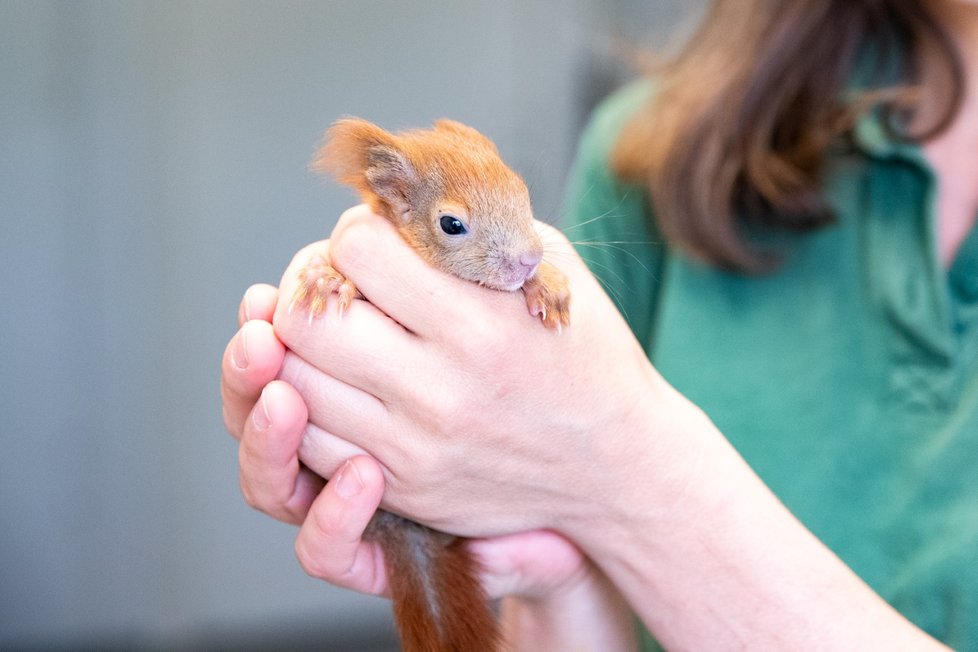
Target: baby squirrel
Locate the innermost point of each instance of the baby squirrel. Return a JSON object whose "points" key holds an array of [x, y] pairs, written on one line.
{"points": [[453, 200]]}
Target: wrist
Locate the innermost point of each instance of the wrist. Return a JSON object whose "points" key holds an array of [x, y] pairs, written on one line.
{"points": [[649, 463], [709, 557]]}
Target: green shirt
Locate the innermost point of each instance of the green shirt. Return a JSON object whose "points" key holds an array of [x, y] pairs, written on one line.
{"points": [[848, 379]]}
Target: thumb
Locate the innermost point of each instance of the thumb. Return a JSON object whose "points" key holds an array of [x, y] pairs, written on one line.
{"points": [[330, 544]]}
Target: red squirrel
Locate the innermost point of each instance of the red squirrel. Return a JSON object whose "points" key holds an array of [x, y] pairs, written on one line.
{"points": [[464, 211]]}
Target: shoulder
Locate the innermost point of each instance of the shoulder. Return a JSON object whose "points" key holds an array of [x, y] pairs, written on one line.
{"points": [[609, 119], [610, 220], [593, 181]]}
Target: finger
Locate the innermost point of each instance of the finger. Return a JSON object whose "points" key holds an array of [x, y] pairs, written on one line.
{"points": [[330, 544], [358, 347], [527, 563], [272, 479], [323, 452], [333, 405], [335, 412], [258, 302], [391, 275], [251, 360]]}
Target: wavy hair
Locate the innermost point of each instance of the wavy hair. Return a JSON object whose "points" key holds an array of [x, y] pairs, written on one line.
{"points": [[743, 116]]}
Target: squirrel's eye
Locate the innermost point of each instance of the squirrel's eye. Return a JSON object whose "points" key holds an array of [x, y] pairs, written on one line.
{"points": [[452, 225]]}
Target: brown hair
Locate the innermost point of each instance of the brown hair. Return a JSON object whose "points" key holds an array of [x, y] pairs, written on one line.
{"points": [[744, 114]]}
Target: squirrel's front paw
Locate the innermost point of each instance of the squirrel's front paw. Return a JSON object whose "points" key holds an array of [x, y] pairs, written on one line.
{"points": [[548, 296], [317, 280]]}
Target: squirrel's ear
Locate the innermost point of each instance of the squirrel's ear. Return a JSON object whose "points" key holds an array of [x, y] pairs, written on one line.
{"points": [[391, 176], [364, 156], [463, 130]]}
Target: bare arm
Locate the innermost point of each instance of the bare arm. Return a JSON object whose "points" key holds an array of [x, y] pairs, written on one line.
{"points": [[584, 435], [711, 559]]}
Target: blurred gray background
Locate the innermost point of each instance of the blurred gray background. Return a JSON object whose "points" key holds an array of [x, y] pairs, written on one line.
{"points": [[153, 165]]}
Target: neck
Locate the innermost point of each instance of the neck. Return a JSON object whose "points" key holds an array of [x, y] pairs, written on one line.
{"points": [[951, 152]]}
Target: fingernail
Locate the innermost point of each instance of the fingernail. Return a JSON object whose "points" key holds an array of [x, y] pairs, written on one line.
{"points": [[348, 482], [259, 416], [239, 354]]}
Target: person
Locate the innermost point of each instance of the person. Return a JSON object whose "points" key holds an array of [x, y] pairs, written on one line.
{"points": [[785, 216]]}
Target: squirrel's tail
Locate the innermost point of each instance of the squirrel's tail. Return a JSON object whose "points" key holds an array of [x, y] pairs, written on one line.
{"points": [[439, 602]]}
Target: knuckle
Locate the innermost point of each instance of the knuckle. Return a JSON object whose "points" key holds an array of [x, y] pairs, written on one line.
{"points": [[231, 424], [292, 514], [230, 373], [252, 489], [259, 302], [317, 552], [247, 492], [302, 256], [480, 337], [308, 561], [351, 216], [360, 234], [483, 341], [443, 410], [318, 527], [352, 243], [425, 464]]}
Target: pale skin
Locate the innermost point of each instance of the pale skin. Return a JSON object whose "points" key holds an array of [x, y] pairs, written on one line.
{"points": [[952, 153], [467, 408], [563, 599]]}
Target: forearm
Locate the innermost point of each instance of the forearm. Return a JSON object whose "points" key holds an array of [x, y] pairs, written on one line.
{"points": [[710, 559], [582, 434], [590, 616]]}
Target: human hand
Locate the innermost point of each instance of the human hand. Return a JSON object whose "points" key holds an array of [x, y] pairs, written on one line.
{"points": [[553, 596], [469, 404], [655, 553], [331, 546], [552, 590], [268, 418]]}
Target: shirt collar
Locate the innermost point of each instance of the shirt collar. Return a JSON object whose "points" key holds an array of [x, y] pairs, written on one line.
{"points": [[872, 136]]}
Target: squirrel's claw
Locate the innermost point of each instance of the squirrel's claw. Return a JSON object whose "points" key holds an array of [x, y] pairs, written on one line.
{"points": [[317, 281], [548, 297]]}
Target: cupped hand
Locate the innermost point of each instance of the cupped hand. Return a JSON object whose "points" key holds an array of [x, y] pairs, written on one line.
{"points": [[484, 421], [553, 596], [536, 565], [266, 416], [269, 419]]}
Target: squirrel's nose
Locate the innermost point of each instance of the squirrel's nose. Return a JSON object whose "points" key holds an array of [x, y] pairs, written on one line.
{"points": [[529, 260]]}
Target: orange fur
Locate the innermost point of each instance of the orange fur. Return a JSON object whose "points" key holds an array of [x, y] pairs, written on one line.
{"points": [[438, 600], [416, 179]]}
